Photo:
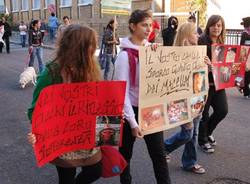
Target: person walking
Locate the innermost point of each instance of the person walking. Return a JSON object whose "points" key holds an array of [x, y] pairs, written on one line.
{"points": [[110, 41], [186, 36], [23, 33], [245, 40], [68, 68], [214, 33], [7, 34], [127, 69], [35, 44], [52, 24]]}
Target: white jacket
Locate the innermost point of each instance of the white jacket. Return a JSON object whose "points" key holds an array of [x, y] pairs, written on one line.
{"points": [[122, 72], [1, 34]]}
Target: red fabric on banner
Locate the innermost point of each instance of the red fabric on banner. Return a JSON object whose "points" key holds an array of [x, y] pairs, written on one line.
{"points": [[113, 162], [64, 118], [229, 63]]}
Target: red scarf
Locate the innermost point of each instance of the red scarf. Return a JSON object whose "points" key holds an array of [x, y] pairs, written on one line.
{"points": [[133, 54]]}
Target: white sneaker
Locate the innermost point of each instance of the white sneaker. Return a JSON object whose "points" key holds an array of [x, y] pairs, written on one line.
{"points": [[211, 140], [207, 148]]}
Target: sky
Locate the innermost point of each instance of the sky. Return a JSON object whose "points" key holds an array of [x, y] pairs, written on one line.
{"points": [[232, 11]]}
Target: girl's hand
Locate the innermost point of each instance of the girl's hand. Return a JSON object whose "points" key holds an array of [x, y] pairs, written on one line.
{"points": [[209, 63], [31, 138], [136, 132], [154, 46]]}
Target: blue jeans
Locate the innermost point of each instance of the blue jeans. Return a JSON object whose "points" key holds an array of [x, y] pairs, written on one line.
{"points": [[37, 51], [23, 40], [108, 61], [52, 33], [189, 138]]}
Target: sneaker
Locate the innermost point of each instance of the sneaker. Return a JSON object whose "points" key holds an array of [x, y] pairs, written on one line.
{"points": [[196, 169], [211, 140], [207, 148], [247, 97]]}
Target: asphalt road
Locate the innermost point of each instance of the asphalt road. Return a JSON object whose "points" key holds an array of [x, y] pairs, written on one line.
{"points": [[230, 164]]}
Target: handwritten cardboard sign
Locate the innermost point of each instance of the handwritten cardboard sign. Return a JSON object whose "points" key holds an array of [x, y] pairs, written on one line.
{"points": [[64, 118], [229, 64], [173, 86]]}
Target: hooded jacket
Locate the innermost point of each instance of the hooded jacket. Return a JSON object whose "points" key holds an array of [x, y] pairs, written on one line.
{"points": [[122, 72], [168, 34]]}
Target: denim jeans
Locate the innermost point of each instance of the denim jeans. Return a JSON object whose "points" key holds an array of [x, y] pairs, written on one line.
{"points": [[37, 51], [23, 40], [52, 33], [189, 138], [108, 61]]}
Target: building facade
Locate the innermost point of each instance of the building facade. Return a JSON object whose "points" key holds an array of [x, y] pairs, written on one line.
{"points": [[89, 11]]}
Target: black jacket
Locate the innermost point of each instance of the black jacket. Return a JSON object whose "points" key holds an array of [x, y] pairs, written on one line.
{"points": [[35, 37], [168, 34], [7, 30]]}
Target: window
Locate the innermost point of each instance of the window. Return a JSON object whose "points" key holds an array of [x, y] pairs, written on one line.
{"points": [[85, 2], [15, 5], [48, 2], [66, 3], [2, 7], [36, 4], [25, 5]]}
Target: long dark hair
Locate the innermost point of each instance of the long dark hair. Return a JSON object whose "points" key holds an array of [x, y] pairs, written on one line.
{"points": [[212, 21], [75, 54], [109, 26]]}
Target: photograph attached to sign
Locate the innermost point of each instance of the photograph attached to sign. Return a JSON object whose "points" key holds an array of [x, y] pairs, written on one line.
{"points": [[225, 74], [108, 130], [236, 68], [197, 105], [152, 117], [218, 53], [199, 84], [244, 53], [177, 111], [231, 54]]}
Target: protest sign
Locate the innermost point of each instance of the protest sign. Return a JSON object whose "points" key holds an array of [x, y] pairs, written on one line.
{"points": [[116, 7], [173, 86], [229, 64], [65, 116]]}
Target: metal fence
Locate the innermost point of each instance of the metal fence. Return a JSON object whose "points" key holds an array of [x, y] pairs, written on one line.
{"points": [[233, 36]]}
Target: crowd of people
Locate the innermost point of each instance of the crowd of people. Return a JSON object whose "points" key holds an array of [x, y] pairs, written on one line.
{"points": [[81, 67]]}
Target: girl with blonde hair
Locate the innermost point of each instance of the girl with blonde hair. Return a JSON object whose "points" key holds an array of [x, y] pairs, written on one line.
{"points": [[187, 36]]}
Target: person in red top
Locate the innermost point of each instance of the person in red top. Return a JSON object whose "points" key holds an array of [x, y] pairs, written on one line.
{"points": [[155, 30]]}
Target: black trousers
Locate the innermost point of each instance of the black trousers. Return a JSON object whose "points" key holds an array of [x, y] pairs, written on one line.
{"points": [[87, 175], [246, 89], [7, 43], [156, 151], [218, 101], [1, 47]]}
